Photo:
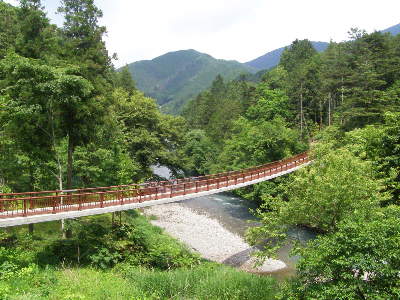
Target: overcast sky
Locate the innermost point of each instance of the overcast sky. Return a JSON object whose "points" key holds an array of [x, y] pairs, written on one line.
{"points": [[230, 29]]}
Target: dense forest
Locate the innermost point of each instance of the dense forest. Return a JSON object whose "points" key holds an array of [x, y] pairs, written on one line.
{"points": [[68, 119], [344, 104]]}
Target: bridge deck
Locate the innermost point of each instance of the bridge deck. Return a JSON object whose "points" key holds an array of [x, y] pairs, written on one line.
{"points": [[27, 208]]}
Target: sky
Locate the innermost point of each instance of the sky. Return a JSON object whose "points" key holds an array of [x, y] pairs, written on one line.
{"points": [[239, 30]]}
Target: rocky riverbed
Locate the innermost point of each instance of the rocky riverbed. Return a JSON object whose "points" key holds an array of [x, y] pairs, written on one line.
{"points": [[208, 237]]}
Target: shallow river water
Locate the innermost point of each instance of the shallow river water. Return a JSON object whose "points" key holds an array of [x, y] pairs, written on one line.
{"points": [[234, 213]]}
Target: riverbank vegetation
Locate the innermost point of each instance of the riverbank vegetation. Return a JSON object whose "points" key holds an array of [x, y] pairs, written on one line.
{"points": [[344, 105], [68, 119], [122, 259]]}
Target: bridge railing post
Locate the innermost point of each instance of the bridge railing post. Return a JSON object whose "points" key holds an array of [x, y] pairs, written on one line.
{"points": [[31, 206], [101, 199], [25, 209], [54, 205]]}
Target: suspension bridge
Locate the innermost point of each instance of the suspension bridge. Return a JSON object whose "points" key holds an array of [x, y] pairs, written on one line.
{"points": [[36, 207]]}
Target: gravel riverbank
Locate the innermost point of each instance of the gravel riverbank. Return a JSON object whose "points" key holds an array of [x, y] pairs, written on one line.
{"points": [[208, 237]]}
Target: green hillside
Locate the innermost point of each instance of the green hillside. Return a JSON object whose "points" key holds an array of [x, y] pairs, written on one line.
{"points": [[176, 77]]}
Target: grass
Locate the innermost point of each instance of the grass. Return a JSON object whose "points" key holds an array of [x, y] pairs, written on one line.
{"points": [[207, 281], [157, 267]]}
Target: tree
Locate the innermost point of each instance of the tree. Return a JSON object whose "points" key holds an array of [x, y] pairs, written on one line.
{"points": [[296, 54], [37, 37], [200, 151], [361, 260], [368, 58], [9, 28], [150, 137], [336, 186], [270, 103], [302, 79], [390, 154], [258, 142], [124, 80], [44, 105], [83, 41]]}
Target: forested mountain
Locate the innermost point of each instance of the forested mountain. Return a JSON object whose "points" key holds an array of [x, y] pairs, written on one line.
{"points": [[271, 59], [176, 77], [393, 30]]}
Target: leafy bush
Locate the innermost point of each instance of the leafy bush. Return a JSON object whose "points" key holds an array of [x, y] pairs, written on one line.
{"points": [[359, 261], [337, 185], [98, 243]]}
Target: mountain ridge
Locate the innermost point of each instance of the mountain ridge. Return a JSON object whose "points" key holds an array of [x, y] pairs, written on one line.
{"points": [[271, 59], [394, 30], [177, 76]]}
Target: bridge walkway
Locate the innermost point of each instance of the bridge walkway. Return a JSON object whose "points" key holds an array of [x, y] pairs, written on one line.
{"points": [[36, 207]]}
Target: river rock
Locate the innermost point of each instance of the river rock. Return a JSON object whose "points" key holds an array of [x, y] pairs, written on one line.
{"points": [[208, 237]]}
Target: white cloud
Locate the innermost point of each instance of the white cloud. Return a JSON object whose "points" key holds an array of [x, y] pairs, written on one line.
{"points": [[231, 29]]}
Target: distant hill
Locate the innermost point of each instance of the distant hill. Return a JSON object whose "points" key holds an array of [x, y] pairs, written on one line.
{"points": [[271, 59], [174, 78], [395, 30]]}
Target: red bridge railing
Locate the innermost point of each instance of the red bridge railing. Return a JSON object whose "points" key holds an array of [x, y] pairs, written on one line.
{"points": [[47, 202]]}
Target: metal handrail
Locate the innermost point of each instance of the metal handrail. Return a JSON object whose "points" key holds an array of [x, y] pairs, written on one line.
{"points": [[35, 203]]}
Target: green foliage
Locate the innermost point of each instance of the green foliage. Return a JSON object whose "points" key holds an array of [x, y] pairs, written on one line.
{"points": [[271, 103], [361, 260], [390, 153], [200, 152], [37, 38], [96, 166], [124, 80], [83, 42], [320, 197], [258, 142], [296, 54], [215, 111], [379, 144], [100, 244], [148, 265], [208, 281], [9, 28], [149, 136], [173, 87]]}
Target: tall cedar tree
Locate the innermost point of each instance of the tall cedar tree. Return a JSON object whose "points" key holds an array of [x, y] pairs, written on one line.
{"points": [[85, 47]]}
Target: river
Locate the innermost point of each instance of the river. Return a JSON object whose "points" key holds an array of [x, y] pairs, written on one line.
{"points": [[234, 214]]}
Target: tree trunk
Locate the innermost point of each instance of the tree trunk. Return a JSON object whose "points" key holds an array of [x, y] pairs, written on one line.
{"points": [[30, 228], [301, 109], [70, 162], [329, 110]]}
